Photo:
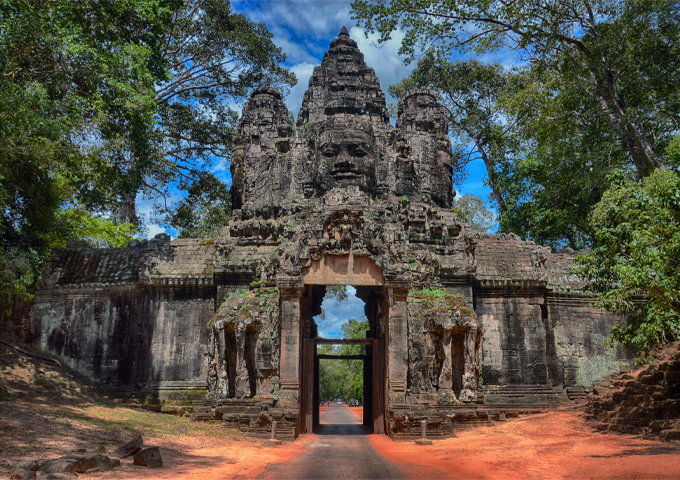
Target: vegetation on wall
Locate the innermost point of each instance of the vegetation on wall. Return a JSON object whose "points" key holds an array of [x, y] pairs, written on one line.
{"points": [[437, 300]]}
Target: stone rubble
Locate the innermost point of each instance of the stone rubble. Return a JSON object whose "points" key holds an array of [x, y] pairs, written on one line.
{"points": [[646, 403]]}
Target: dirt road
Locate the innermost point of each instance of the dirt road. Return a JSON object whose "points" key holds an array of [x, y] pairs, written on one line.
{"points": [[340, 449]]}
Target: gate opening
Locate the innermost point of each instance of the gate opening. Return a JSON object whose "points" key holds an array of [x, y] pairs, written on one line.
{"points": [[348, 370], [341, 383]]}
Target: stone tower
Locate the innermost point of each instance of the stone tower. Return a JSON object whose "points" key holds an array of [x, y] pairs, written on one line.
{"points": [[343, 138]]}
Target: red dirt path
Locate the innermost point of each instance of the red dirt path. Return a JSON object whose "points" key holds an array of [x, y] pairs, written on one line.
{"points": [[557, 445]]}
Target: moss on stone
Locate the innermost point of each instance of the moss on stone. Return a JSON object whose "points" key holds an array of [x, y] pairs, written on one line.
{"points": [[437, 300]]}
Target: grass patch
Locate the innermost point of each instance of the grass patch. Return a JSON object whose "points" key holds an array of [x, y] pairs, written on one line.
{"points": [[138, 422]]}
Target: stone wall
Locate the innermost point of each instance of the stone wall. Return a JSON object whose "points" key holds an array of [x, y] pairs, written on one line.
{"points": [[133, 320], [575, 343], [514, 337]]}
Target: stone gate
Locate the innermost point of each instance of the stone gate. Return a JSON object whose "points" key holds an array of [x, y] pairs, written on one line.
{"points": [[471, 325]]}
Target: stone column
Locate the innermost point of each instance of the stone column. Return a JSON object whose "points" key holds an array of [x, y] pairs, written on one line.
{"points": [[445, 377], [242, 377], [290, 346], [397, 367], [221, 361], [445, 393], [470, 367]]}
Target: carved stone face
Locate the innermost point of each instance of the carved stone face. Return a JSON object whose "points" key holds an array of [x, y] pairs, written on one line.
{"points": [[345, 156]]}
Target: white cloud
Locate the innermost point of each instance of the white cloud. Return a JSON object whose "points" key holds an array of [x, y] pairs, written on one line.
{"points": [[154, 230], [303, 71], [388, 64], [295, 53], [338, 313], [316, 19]]}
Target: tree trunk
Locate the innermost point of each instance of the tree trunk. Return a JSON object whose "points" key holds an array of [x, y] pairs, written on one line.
{"points": [[128, 209]]}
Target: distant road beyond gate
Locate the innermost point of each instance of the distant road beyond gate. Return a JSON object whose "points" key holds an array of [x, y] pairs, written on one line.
{"points": [[340, 449]]}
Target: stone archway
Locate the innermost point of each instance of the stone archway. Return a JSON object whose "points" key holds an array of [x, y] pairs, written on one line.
{"points": [[359, 271]]}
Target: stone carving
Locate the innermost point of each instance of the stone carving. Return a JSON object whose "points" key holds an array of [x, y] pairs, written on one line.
{"points": [[245, 345], [343, 230], [343, 138], [445, 339]]}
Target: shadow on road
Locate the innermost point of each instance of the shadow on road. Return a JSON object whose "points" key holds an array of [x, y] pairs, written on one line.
{"points": [[342, 429]]}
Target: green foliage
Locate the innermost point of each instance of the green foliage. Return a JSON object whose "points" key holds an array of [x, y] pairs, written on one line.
{"points": [[428, 292], [101, 100], [405, 202], [635, 267], [344, 378], [438, 300], [17, 273], [205, 211], [76, 100], [266, 292], [241, 292], [568, 152], [474, 211], [97, 231], [601, 91], [214, 57], [336, 292]]}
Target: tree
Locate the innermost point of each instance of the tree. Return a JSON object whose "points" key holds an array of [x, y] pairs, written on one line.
{"points": [[551, 189], [344, 378], [214, 56], [555, 134], [621, 55], [205, 212], [635, 268], [68, 70], [474, 211]]}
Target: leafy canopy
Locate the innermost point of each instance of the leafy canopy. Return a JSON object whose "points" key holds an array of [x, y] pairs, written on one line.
{"points": [[76, 97], [636, 266], [596, 89], [474, 211], [344, 378], [621, 53], [214, 57]]}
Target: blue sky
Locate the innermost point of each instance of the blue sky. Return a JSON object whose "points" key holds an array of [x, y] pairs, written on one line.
{"points": [[304, 30], [338, 313]]}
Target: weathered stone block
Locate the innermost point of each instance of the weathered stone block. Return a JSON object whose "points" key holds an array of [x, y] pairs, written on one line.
{"points": [[22, 474], [129, 447], [149, 457]]}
